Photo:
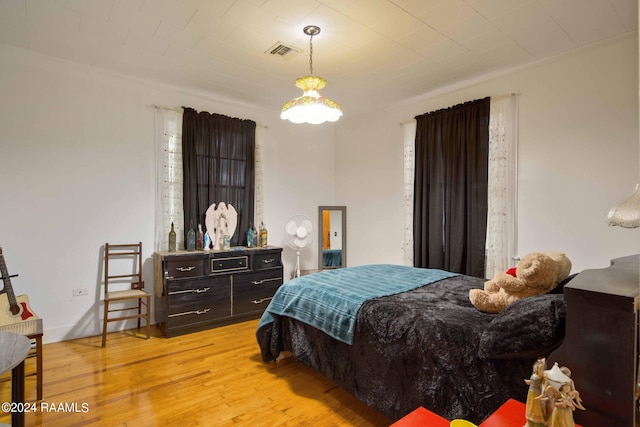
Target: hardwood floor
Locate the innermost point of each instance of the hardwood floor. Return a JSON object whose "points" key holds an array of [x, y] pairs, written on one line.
{"points": [[210, 378]]}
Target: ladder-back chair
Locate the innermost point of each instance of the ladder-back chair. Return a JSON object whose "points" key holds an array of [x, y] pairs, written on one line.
{"points": [[133, 276]]}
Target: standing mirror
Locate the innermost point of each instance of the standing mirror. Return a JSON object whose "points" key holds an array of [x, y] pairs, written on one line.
{"points": [[332, 237]]}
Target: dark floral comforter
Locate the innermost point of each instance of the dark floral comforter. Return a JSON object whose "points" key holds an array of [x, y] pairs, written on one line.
{"points": [[420, 348]]}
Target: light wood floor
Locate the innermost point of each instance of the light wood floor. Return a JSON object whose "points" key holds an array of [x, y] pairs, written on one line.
{"points": [[210, 378]]}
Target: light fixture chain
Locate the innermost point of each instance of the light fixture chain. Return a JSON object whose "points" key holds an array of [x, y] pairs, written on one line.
{"points": [[311, 53]]}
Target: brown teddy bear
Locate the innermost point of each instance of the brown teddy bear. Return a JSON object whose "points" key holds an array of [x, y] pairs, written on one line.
{"points": [[537, 273]]}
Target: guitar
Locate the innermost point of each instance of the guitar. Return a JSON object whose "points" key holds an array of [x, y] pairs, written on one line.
{"points": [[12, 309]]}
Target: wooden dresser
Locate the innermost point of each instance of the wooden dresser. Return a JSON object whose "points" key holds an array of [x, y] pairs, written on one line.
{"points": [[200, 290], [601, 342]]}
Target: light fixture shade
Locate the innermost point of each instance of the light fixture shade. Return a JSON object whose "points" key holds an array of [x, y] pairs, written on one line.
{"points": [[311, 107], [626, 213]]}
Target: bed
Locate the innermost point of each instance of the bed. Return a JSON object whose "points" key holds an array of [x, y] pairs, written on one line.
{"points": [[413, 340], [332, 258]]}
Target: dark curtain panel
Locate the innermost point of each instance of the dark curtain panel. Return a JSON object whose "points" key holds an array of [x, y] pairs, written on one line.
{"points": [[218, 156], [450, 188]]}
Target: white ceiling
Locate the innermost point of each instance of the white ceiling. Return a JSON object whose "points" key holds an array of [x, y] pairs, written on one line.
{"points": [[395, 49]]}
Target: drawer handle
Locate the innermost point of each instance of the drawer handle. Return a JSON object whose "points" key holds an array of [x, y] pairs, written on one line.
{"points": [[240, 263], [183, 269], [260, 282], [185, 313], [260, 301], [268, 261], [190, 291]]}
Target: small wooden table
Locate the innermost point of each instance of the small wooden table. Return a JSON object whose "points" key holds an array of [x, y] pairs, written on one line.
{"points": [[31, 329], [14, 348]]}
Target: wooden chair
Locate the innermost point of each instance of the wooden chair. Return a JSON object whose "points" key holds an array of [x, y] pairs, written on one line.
{"points": [[123, 253], [33, 330]]}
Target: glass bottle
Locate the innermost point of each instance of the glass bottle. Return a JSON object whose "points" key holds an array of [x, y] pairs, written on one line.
{"points": [[172, 239], [200, 238], [256, 237], [191, 238], [250, 236], [263, 235]]}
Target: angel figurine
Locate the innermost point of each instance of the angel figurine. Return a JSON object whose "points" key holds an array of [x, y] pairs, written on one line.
{"points": [[220, 221], [536, 410], [559, 389]]}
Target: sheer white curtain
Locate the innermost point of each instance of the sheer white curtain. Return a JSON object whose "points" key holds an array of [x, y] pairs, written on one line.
{"points": [[168, 177], [409, 130], [502, 201], [259, 184]]}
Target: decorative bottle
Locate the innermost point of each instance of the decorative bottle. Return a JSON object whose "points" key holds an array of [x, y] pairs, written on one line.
{"points": [[200, 238], [191, 238], [172, 239], [250, 236], [256, 237], [263, 235]]}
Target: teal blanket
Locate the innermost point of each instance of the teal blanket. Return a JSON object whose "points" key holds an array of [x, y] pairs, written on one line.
{"points": [[330, 300]]}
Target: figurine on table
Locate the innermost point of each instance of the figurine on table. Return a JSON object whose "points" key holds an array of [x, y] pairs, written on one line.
{"points": [[536, 408], [556, 398]]}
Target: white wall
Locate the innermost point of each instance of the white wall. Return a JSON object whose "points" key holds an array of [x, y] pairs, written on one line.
{"points": [[578, 156], [77, 169]]}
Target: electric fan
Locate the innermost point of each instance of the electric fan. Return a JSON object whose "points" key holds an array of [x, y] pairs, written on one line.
{"points": [[298, 233]]}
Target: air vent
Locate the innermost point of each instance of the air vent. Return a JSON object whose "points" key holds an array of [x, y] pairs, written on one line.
{"points": [[282, 50]]}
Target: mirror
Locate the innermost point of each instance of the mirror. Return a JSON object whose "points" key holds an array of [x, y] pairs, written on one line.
{"points": [[332, 237]]}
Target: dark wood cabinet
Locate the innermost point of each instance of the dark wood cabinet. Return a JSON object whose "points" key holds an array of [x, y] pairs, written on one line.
{"points": [[601, 342], [201, 290]]}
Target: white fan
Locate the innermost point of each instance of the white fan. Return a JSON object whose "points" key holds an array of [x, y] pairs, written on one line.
{"points": [[298, 232]]}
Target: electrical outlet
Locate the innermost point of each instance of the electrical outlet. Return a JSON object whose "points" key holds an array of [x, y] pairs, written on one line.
{"points": [[80, 292]]}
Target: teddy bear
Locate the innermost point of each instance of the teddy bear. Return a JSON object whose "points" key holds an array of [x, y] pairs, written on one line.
{"points": [[537, 273]]}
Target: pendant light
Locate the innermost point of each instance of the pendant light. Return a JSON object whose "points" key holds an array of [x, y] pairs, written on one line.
{"points": [[626, 213], [311, 107]]}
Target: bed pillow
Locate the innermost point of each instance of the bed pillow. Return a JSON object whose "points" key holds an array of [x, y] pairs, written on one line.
{"points": [[528, 328]]}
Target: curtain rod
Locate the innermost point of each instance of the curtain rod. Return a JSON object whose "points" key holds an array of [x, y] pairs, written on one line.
{"points": [[162, 107], [180, 109], [493, 98]]}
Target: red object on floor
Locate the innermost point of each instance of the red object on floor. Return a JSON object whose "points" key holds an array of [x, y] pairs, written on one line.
{"points": [[510, 414], [421, 417]]}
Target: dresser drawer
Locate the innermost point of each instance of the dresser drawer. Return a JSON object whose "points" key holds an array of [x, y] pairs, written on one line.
{"points": [[252, 292], [198, 301], [268, 260], [205, 285], [229, 264], [195, 315], [184, 267]]}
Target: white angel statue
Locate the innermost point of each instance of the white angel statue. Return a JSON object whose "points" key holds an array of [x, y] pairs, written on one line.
{"points": [[220, 221]]}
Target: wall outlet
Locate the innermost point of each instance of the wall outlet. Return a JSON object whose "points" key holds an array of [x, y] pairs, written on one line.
{"points": [[80, 292]]}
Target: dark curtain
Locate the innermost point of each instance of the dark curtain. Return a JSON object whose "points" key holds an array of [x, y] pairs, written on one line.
{"points": [[450, 188], [218, 157]]}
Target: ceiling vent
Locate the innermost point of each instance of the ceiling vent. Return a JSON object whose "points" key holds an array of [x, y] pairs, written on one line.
{"points": [[283, 51]]}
